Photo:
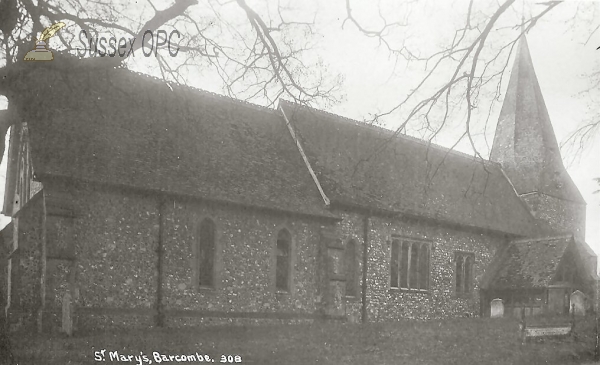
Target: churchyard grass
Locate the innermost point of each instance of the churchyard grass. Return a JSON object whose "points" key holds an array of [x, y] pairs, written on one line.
{"points": [[455, 341]]}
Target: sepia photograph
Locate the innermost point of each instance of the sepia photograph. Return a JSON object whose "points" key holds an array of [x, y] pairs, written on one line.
{"points": [[275, 182]]}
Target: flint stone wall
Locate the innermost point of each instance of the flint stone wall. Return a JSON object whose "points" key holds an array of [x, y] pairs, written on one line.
{"points": [[114, 234], [115, 237], [564, 216], [25, 300], [441, 300]]}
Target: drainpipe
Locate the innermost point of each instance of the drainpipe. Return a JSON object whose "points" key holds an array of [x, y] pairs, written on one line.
{"points": [[160, 316], [364, 265]]}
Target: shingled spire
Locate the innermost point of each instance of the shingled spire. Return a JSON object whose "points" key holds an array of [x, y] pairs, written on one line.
{"points": [[525, 143]]}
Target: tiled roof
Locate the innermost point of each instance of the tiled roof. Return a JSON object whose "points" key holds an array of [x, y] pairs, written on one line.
{"points": [[530, 263], [371, 167], [6, 237], [117, 127], [524, 142], [590, 259]]}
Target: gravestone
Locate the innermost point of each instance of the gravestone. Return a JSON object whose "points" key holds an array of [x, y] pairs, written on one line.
{"points": [[67, 318], [497, 308], [578, 303]]}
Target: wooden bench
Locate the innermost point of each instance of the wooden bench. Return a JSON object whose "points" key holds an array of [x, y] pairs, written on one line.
{"points": [[550, 330]]}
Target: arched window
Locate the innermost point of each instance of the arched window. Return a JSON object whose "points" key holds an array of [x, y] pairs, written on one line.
{"points": [[350, 265], [464, 272], [25, 171], [414, 266], [206, 253], [283, 260], [395, 264], [404, 259], [424, 267], [468, 274], [459, 274]]}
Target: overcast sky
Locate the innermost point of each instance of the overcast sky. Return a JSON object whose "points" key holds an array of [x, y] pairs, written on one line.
{"points": [[373, 81], [560, 58]]}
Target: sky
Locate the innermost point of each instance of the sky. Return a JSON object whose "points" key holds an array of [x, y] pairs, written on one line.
{"points": [[562, 63], [374, 81]]}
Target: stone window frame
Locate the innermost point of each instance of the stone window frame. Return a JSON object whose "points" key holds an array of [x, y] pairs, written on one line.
{"points": [[410, 242], [25, 170], [291, 262], [216, 270], [354, 281], [463, 283]]}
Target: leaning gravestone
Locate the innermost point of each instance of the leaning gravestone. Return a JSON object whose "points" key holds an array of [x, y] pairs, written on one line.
{"points": [[578, 303], [497, 308], [67, 318]]}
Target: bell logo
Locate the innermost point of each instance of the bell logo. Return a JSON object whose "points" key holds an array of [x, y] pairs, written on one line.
{"points": [[41, 51]]}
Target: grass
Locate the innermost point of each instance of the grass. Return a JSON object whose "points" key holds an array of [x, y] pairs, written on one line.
{"points": [[456, 341]]}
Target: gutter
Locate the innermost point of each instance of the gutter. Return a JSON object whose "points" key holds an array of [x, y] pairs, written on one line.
{"points": [[182, 196]]}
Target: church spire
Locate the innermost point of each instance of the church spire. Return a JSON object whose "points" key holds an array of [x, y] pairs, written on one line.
{"points": [[524, 142]]}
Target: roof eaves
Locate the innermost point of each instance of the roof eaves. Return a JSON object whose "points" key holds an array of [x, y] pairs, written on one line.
{"points": [[336, 203], [325, 214], [546, 238], [576, 200]]}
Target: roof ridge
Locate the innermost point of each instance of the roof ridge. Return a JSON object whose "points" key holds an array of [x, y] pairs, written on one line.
{"points": [[390, 131], [185, 87], [172, 84]]}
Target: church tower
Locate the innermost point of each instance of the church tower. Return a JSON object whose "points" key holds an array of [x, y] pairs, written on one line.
{"points": [[526, 147]]}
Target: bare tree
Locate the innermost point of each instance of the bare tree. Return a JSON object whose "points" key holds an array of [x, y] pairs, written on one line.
{"points": [[262, 52], [589, 129], [468, 71], [257, 53]]}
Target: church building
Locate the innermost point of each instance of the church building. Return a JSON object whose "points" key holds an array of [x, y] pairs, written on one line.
{"points": [[143, 203]]}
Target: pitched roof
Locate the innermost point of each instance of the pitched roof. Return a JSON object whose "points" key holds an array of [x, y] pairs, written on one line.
{"points": [[118, 127], [524, 142], [370, 167], [589, 258], [530, 263], [6, 238]]}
